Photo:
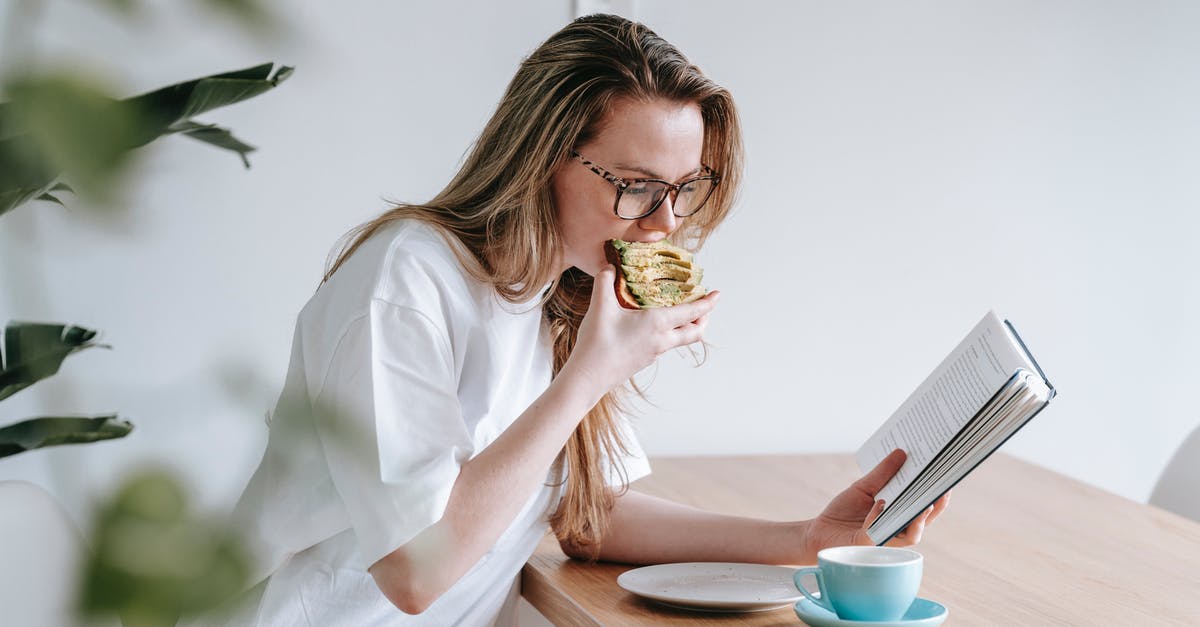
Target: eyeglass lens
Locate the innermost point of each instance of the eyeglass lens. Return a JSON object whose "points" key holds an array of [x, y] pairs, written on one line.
{"points": [[641, 197]]}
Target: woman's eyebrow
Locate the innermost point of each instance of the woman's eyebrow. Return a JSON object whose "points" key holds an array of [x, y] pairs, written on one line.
{"points": [[646, 171]]}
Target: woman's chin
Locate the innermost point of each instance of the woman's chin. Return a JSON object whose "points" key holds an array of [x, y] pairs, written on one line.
{"points": [[592, 266]]}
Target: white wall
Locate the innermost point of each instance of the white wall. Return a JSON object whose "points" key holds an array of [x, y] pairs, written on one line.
{"points": [[910, 166], [914, 164]]}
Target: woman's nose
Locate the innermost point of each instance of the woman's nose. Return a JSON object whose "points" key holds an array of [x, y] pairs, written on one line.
{"points": [[664, 218]]}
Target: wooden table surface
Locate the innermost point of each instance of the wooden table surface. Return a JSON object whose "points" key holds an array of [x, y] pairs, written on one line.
{"points": [[1019, 545]]}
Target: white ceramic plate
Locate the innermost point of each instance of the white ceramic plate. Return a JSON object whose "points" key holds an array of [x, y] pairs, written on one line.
{"points": [[714, 586]]}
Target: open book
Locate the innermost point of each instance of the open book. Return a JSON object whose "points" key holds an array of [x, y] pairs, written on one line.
{"points": [[982, 393]]}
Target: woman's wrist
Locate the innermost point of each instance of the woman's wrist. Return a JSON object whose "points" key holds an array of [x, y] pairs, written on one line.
{"points": [[803, 554], [581, 383]]}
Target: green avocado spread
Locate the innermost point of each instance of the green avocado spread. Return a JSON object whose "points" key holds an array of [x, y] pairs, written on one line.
{"points": [[659, 274]]}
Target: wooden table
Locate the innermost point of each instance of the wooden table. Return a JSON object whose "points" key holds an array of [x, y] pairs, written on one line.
{"points": [[1019, 545]]}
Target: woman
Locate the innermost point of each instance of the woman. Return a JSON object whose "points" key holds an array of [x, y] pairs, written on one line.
{"points": [[456, 382]]}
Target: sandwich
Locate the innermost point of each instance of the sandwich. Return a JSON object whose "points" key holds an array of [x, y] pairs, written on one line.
{"points": [[657, 274]]}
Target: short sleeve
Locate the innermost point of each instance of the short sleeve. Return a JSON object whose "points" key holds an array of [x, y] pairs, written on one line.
{"points": [[633, 459], [391, 425]]}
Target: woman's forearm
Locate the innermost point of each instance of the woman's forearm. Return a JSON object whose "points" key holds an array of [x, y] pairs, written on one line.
{"points": [[649, 530], [489, 492], [494, 485]]}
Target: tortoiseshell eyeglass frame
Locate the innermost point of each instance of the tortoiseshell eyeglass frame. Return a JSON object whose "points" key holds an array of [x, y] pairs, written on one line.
{"points": [[707, 174]]}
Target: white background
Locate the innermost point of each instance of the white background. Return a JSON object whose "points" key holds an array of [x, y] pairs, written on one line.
{"points": [[910, 165]]}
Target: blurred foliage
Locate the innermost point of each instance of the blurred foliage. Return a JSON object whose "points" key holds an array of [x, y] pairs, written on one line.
{"points": [[249, 13], [252, 15], [154, 561], [63, 125], [59, 123]]}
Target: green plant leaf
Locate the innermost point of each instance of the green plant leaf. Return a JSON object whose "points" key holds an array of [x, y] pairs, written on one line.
{"points": [[12, 198], [215, 135], [26, 171], [165, 107], [63, 125], [60, 187], [50, 198], [34, 351], [58, 430]]}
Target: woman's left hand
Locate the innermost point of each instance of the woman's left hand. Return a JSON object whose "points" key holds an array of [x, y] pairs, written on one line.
{"points": [[847, 517]]}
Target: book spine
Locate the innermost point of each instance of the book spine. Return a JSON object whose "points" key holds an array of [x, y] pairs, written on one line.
{"points": [[1020, 342]]}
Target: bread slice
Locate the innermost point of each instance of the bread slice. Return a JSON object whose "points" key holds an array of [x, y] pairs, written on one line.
{"points": [[657, 274]]}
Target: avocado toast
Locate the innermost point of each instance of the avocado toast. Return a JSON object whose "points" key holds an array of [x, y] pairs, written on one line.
{"points": [[657, 274]]}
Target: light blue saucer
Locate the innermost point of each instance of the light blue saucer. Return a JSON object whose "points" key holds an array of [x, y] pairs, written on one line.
{"points": [[922, 613]]}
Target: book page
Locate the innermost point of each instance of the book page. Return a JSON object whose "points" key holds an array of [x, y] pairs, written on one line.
{"points": [[1000, 427], [948, 398], [965, 441]]}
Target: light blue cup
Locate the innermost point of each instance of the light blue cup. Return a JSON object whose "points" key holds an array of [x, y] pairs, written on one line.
{"points": [[874, 583]]}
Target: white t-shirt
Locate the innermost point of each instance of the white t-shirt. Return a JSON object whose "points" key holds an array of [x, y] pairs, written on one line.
{"points": [[403, 367]]}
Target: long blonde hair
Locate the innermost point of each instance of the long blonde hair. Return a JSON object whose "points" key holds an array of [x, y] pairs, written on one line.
{"points": [[499, 212]]}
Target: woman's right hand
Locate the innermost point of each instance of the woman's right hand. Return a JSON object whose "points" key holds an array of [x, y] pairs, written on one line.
{"points": [[614, 343]]}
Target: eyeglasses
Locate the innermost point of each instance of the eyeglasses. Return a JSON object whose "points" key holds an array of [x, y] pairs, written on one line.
{"points": [[638, 198]]}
